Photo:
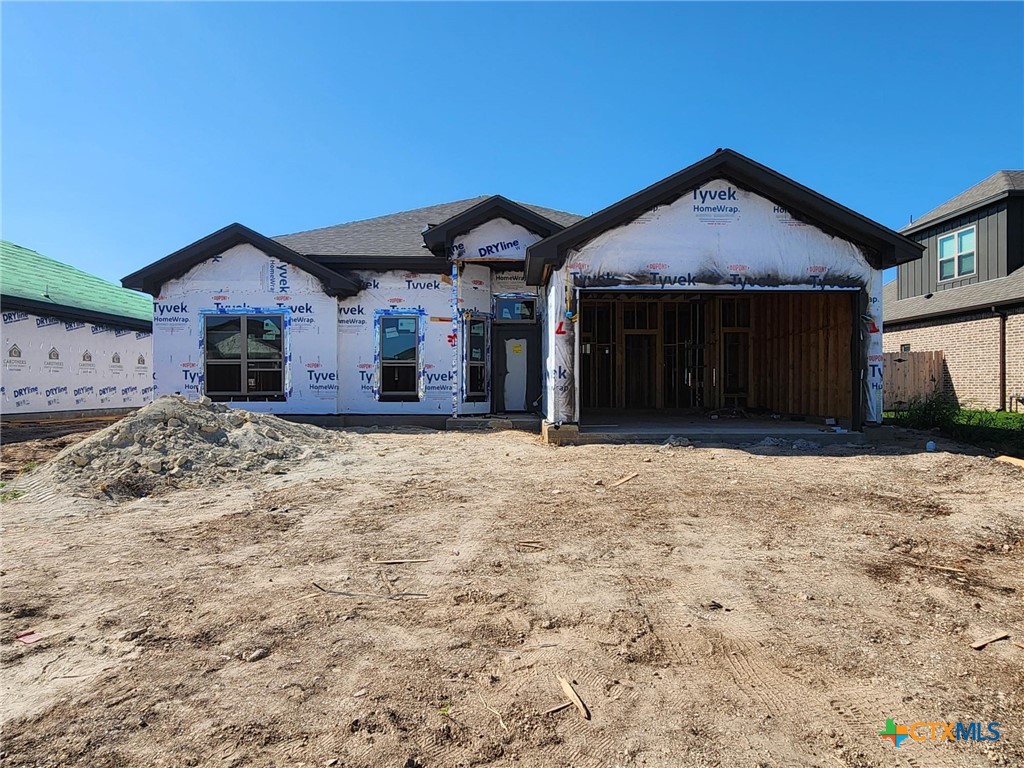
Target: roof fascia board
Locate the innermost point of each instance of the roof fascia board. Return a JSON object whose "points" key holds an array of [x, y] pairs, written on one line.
{"points": [[440, 237], [891, 247], [914, 229], [45, 309], [150, 279]]}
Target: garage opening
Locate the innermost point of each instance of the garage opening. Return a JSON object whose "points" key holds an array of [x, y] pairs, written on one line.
{"points": [[782, 354]]}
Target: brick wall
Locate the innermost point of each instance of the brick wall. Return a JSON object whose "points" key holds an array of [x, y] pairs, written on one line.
{"points": [[1015, 354], [970, 346]]}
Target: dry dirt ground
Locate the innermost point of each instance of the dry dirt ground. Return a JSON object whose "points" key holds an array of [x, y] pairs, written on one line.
{"points": [[27, 444], [724, 607]]}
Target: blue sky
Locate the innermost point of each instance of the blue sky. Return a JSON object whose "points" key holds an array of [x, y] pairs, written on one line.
{"points": [[132, 129]]}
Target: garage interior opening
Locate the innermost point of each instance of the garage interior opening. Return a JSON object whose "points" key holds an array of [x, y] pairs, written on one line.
{"points": [[785, 353]]}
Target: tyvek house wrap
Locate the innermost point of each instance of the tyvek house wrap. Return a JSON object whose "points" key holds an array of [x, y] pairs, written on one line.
{"points": [[241, 280], [472, 297], [477, 261], [428, 297], [497, 239], [52, 364], [716, 237]]}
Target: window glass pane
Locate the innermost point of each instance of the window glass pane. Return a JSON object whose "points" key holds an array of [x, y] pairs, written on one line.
{"points": [[946, 250], [967, 264], [398, 379], [946, 269], [476, 380], [398, 339], [264, 337], [477, 340], [264, 379], [966, 241], [223, 378], [515, 309], [223, 337]]}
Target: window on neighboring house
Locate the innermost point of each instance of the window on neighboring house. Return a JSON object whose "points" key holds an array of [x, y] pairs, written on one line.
{"points": [[476, 358], [904, 347], [244, 357], [399, 357], [956, 254]]}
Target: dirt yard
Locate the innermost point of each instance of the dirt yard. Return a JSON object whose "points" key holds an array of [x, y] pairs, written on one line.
{"points": [[724, 607]]}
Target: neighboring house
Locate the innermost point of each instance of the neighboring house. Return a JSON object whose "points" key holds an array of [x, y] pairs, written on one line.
{"points": [[726, 285], [72, 343], [966, 295]]}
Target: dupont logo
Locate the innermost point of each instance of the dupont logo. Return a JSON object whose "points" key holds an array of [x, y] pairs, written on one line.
{"points": [[576, 266], [657, 266], [396, 300], [276, 298], [314, 365], [220, 297]]}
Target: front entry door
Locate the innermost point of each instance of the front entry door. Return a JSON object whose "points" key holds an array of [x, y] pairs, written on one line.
{"points": [[516, 385]]}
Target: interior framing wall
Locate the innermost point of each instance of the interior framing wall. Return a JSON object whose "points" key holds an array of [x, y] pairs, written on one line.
{"points": [[801, 353]]}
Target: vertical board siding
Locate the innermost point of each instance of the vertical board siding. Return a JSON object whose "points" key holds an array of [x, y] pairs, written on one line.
{"points": [[801, 347], [922, 275], [910, 376]]}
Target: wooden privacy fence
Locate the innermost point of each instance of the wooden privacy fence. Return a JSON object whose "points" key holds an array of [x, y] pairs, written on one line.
{"points": [[909, 376]]}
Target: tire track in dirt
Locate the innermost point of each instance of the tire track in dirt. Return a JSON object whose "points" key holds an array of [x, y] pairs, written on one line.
{"points": [[744, 645]]}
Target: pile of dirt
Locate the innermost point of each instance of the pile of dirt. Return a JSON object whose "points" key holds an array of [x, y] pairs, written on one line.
{"points": [[173, 442]]}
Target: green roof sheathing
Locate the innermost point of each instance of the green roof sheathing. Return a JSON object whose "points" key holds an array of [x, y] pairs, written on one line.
{"points": [[34, 283]]}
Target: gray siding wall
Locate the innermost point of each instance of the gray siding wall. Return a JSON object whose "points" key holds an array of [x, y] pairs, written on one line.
{"points": [[1015, 233], [922, 276]]}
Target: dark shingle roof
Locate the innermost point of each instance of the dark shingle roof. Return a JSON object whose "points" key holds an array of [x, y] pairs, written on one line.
{"points": [[992, 188], [398, 235], [988, 293], [38, 283]]}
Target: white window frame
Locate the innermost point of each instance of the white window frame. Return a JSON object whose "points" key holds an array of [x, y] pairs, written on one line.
{"points": [[955, 236]]}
